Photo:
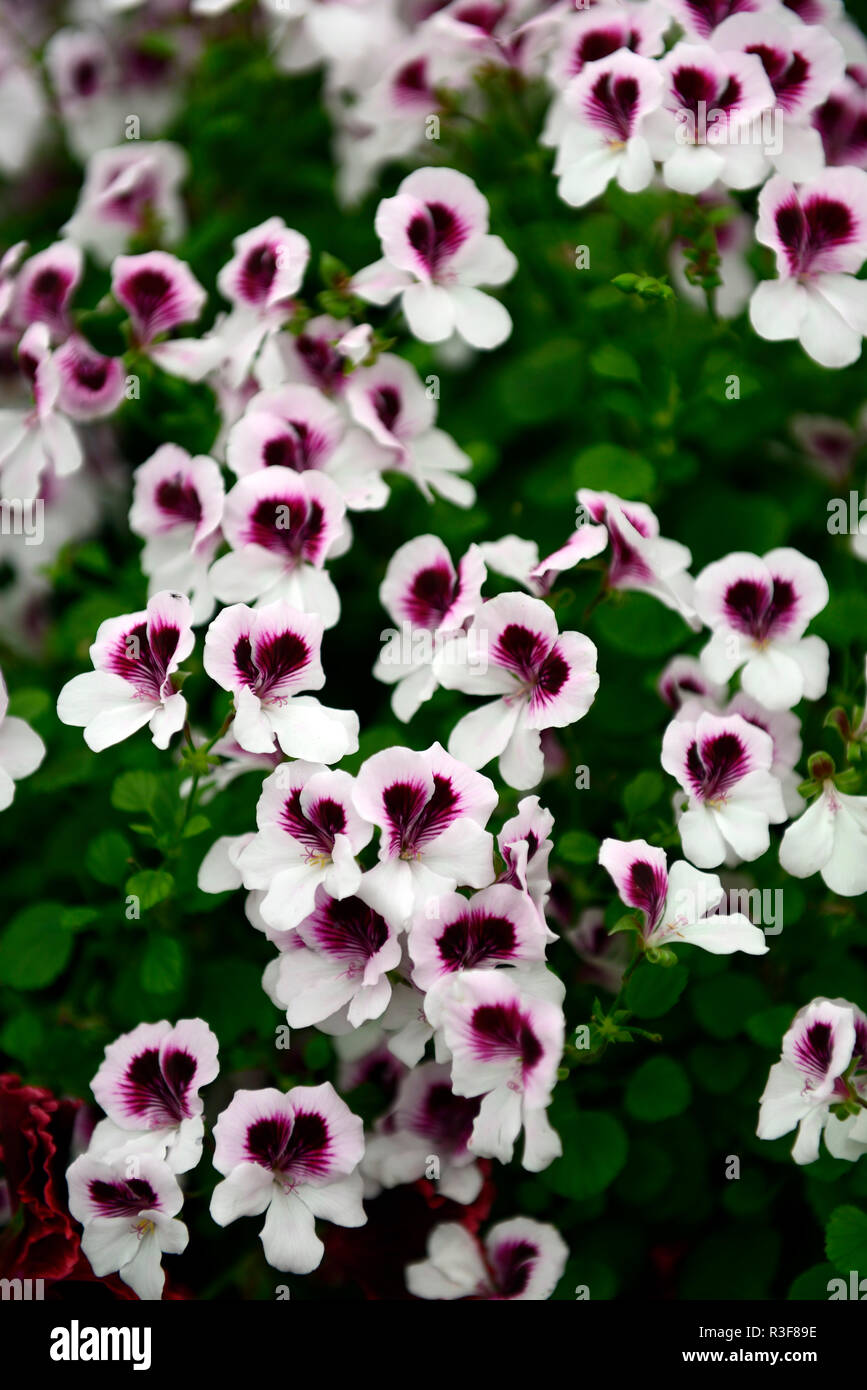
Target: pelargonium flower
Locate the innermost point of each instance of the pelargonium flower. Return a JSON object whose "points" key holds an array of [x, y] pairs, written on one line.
{"points": [[282, 526], [84, 77], [177, 508], [297, 427], [603, 138], [436, 252], [704, 131], [505, 1045], [430, 600], [677, 904], [21, 749], [723, 764], [818, 233], [311, 357], [126, 190], [820, 1083], [519, 1260], [260, 281], [525, 847], [148, 1087], [518, 559], [336, 963], [294, 1156], [426, 1118], [784, 729], [160, 292], [802, 63], [431, 810], [128, 1207], [37, 438], [91, 386], [700, 18], [598, 32], [542, 678], [266, 658], [309, 833], [497, 926], [23, 107], [389, 401], [841, 121], [830, 838], [830, 445], [134, 658], [758, 610], [45, 285], [641, 559], [684, 680]]}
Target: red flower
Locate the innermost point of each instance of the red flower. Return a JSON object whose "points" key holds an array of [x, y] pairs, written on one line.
{"points": [[41, 1240]]}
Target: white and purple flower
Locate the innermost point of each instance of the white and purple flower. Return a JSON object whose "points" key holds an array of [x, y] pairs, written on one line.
{"points": [[758, 610], [430, 599], [519, 1260], [505, 1044], [148, 1087], [723, 764], [389, 402], [177, 508], [309, 834], [820, 1083], [21, 749], [134, 658], [335, 965], [603, 138], [128, 1207], [282, 526], [294, 1156], [818, 233], [677, 905], [542, 679], [266, 658], [436, 252], [431, 810], [497, 926], [426, 1119]]}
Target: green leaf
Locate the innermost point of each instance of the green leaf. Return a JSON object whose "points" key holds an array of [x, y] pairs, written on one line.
{"points": [[767, 1028], [77, 918], [614, 363], [196, 825], [723, 1003], [107, 858], [812, 1285], [162, 967], [35, 947], [22, 1036], [653, 989], [577, 847], [640, 626], [29, 703], [611, 468], [643, 792], [595, 1148], [659, 1089], [846, 1239], [150, 886], [135, 791]]}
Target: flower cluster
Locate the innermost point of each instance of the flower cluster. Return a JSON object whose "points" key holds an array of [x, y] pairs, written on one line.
{"points": [[408, 896]]}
